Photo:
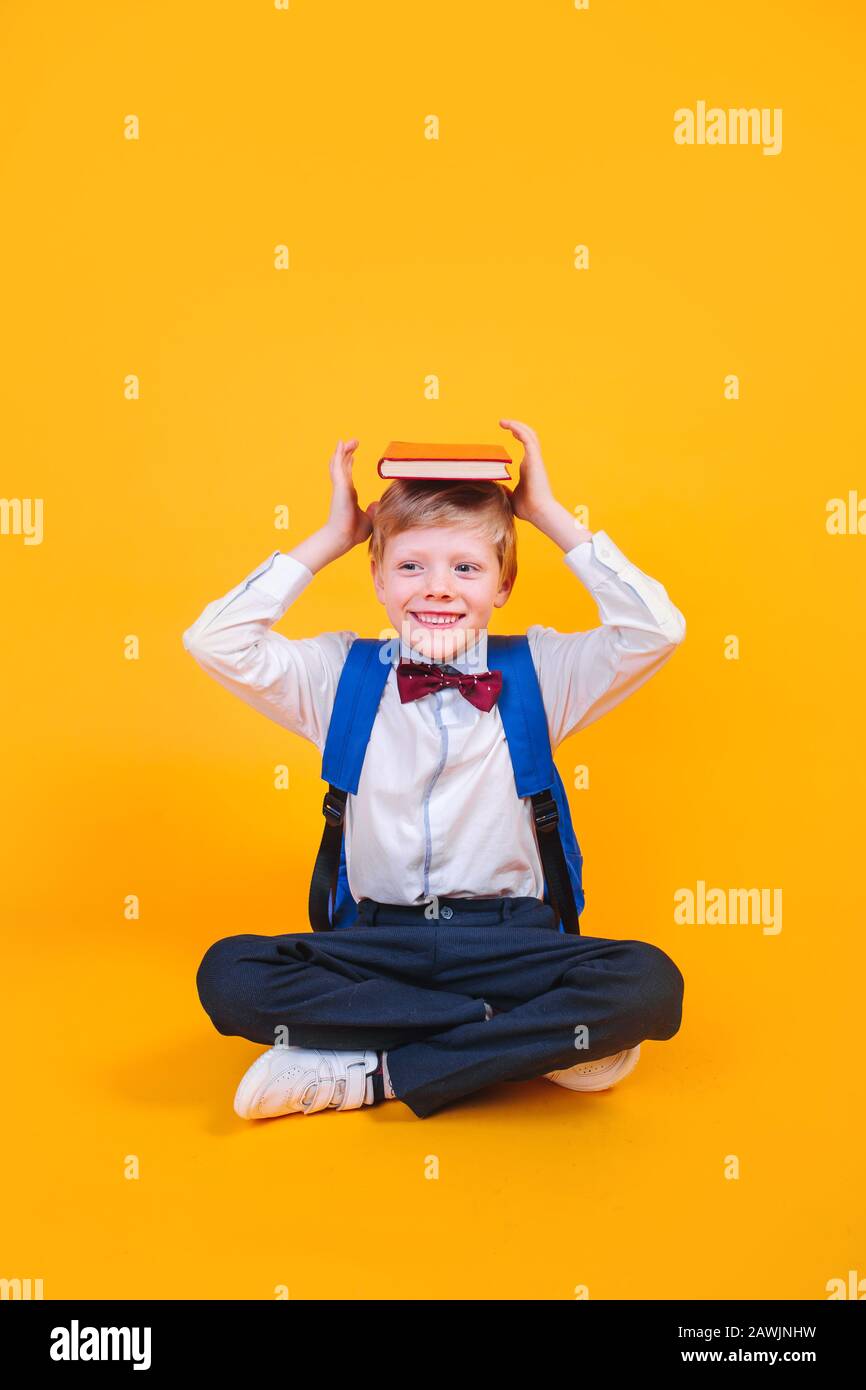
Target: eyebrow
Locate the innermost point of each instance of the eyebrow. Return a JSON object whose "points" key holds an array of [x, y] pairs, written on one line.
{"points": [[421, 555]]}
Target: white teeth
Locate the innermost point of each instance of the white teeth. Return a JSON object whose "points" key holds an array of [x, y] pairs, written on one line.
{"points": [[438, 622]]}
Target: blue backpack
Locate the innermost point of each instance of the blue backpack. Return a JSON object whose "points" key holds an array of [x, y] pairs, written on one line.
{"points": [[362, 681]]}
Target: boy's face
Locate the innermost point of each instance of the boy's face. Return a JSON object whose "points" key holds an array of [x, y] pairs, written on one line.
{"points": [[445, 572]]}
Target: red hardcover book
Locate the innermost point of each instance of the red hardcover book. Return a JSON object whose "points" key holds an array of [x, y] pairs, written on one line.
{"points": [[444, 461]]}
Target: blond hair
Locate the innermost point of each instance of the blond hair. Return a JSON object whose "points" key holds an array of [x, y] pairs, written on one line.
{"points": [[480, 505]]}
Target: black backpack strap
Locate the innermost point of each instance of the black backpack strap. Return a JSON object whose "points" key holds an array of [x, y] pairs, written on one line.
{"points": [[327, 866], [546, 813]]}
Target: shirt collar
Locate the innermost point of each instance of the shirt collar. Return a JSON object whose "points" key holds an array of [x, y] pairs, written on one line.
{"points": [[471, 662]]}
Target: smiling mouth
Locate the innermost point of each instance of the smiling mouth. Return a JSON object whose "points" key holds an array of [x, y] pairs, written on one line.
{"points": [[437, 619]]}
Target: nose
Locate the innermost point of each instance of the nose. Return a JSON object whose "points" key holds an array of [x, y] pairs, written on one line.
{"points": [[440, 585]]}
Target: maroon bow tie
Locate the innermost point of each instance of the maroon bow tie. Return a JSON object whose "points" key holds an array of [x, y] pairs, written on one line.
{"points": [[417, 678]]}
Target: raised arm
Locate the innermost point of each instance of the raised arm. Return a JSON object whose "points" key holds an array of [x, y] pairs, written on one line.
{"points": [[292, 681], [582, 675]]}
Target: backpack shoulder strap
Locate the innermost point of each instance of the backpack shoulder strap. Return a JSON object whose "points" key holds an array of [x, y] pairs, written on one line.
{"points": [[521, 709], [524, 718], [359, 693]]}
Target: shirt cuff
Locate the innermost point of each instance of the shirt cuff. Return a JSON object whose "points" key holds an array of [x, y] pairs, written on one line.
{"points": [[579, 558], [598, 560], [283, 577]]}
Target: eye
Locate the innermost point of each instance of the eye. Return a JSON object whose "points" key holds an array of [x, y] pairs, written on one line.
{"points": [[461, 565]]}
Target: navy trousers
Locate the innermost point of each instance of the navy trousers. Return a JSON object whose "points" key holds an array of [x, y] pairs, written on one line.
{"points": [[418, 987]]}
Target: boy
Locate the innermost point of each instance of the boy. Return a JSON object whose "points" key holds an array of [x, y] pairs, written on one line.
{"points": [[404, 1004]]}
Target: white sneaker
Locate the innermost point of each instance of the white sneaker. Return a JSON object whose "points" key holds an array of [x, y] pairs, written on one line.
{"points": [[598, 1075], [285, 1080]]}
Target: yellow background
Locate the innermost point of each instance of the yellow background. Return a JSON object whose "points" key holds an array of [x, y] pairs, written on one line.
{"points": [[410, 257]]}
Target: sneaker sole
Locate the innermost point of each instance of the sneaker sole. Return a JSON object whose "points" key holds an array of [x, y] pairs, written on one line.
{"points": [[620, 1067]]}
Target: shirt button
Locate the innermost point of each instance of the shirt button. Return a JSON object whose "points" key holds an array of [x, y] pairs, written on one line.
{"points": [[447, 912]]}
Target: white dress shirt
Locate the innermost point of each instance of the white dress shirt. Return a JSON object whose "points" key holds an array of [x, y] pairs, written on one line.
{"points": [[436, 812]]}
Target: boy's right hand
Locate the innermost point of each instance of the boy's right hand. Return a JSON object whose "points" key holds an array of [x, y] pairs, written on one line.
{"points": [[347, 522]]}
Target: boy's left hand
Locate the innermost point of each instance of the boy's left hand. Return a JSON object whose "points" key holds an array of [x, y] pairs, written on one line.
{"points": [[533, 494]]}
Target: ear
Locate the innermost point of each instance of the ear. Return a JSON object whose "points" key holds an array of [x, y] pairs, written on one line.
{"points": [[503, 594], [377, 581]]}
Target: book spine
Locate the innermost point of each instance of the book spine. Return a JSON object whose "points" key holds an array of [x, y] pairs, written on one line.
{"points": [[504, 476]]}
